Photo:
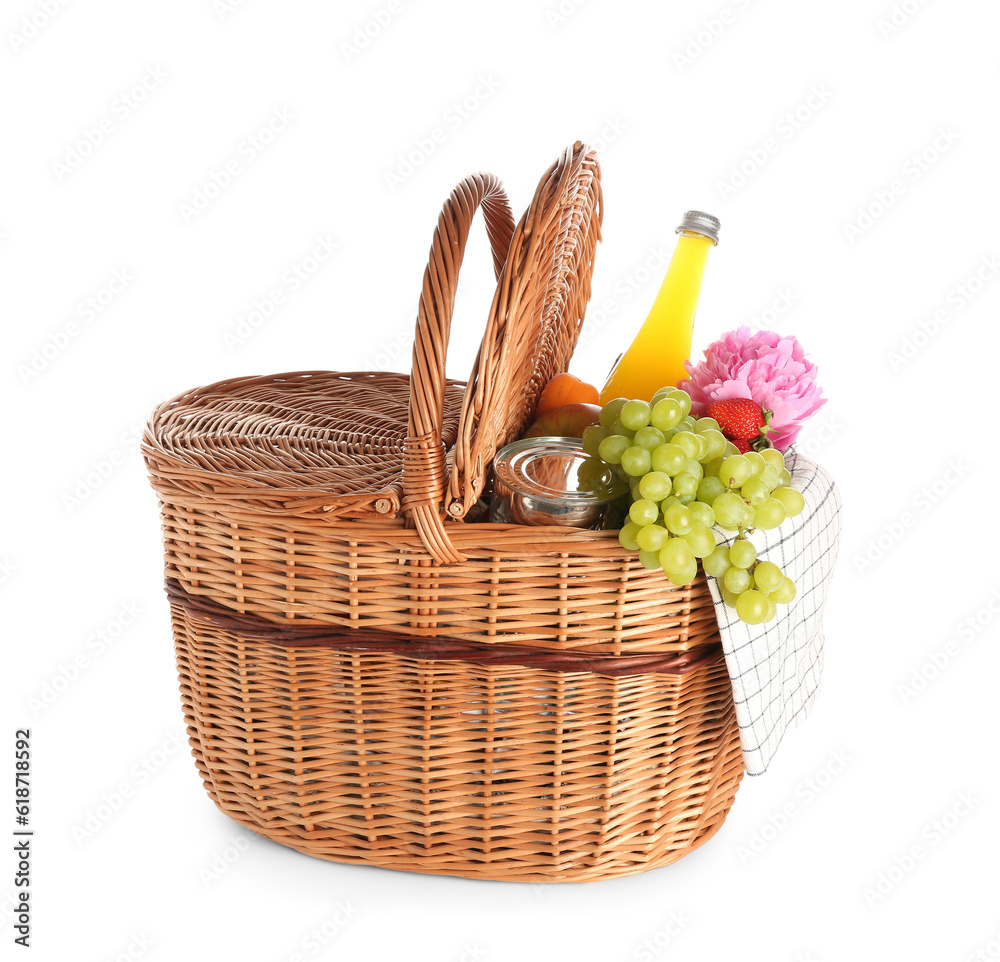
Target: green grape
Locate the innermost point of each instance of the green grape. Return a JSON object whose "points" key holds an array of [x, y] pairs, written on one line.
{"points": [[716, 444], [772, 609], [737, 579], [686, 423], [791, 499], [685, 486], [593, 435], [731, 450], [702, 513], [769, 514], [754, 490], [687, 442], [613, 447], [610, 411], [701, 539], [652, 537], [682, 398], [633, 484], [730, 597], [709, 489], [683, 576], [620, 472], [649, 438], [769, 476], [634, 414], [650, 559], [712, 467], [767, 576], [785, 593], [686, 499], [626, 536], [655, 486], [619, 428], [694, 468], [661, 394], [749, 516], [756, 463], [742, 554], [636, 461], [706, 424], [666, 413], [773, 456], [702, 453], [669, 458], [678, 519], [591, 474], [733, 471], [666, 502], [728, 509], [717, 563], [676, 555], [784, 478], [751, 607], [644, 511]]}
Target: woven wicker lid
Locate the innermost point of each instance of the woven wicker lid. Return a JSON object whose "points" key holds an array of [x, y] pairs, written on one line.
{"points": [[534, 321], [300, 442]]}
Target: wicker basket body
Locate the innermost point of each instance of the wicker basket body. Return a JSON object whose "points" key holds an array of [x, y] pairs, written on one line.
{"points": [[444, 765], [370, 675]]}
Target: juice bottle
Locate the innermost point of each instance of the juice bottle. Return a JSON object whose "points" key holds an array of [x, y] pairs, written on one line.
{"points": [[656, 357]]}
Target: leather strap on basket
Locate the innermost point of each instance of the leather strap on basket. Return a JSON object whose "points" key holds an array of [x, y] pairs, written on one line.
{"points": [[437, 649], [425, 474]]}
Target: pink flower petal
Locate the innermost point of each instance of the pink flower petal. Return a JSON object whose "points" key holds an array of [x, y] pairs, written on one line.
{"points": [[769, 368]]}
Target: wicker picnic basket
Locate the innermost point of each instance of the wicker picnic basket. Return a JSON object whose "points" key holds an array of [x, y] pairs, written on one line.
{"points": [[369, 673]]}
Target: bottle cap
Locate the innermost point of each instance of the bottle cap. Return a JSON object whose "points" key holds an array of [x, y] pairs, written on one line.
{"points": [[698, 222]]}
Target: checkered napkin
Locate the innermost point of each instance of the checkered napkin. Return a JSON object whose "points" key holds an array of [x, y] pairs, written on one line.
{"points": [[775, 668]]}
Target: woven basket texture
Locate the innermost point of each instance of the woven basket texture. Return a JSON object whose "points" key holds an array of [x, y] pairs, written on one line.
{"points": [[454, 768]]}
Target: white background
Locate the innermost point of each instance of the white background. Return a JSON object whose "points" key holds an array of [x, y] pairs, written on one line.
{"points": [[812, 861]]}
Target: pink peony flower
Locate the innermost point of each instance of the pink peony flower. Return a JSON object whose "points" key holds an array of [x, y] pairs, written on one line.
{"points": [[770, 369]]}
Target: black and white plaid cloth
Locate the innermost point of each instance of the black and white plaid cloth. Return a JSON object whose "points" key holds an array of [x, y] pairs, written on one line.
{"points": [[776, 668]]}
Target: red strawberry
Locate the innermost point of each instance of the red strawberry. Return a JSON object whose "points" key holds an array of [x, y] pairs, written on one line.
{"points": [[741, 445], [741, 419]]}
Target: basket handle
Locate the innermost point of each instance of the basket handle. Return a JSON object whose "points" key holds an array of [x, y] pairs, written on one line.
{"points": [[424, 468]]}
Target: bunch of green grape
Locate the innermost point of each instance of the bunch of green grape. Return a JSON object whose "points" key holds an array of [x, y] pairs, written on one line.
{"points": [[686, 478], [754, 588]]}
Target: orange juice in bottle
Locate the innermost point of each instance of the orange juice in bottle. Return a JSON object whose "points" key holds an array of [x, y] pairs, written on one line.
{"points": [[656, 357]]}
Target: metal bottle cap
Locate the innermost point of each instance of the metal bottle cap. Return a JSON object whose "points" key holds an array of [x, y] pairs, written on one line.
{"points": [[698, 222]]}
